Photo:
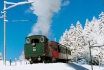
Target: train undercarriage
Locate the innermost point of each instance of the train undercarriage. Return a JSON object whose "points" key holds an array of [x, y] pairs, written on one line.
{"points": [[46, 60]]}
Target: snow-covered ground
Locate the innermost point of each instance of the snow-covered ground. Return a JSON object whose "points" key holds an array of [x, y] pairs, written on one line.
{"points": [[48, 66], [94, 67], [38, 66]]}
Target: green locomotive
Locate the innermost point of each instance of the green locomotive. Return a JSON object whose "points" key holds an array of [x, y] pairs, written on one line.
{"points": [[35, 48], [39, 49]]}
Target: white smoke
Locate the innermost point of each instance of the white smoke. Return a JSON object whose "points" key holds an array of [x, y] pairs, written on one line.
{"points": [[44, 10], [65, 3]]}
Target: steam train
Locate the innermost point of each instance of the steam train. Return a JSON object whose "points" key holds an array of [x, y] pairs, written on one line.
{"points": [[38, 48]]}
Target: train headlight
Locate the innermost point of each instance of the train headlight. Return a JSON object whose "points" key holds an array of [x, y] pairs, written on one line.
{"points": [[33, 43]]}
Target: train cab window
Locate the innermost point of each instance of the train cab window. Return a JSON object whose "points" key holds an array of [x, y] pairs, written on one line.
{"points": [[42, 39], [27, 40], [46, 40], [35, 41]]}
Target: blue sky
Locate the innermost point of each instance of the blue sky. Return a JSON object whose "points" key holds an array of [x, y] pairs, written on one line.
{"points": [[76, 10]]}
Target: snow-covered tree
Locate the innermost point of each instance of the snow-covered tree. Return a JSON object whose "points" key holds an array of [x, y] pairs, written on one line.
{"points": [[22, 56], [64, 39], [80, 40], [77, 39], [101, 16]]}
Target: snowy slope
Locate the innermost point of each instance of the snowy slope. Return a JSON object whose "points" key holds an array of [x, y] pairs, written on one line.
{"points": [[94, 67], [38, 66], [48, 66]]}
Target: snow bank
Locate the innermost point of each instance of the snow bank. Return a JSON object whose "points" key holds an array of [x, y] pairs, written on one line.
{"points": [[94, 67], [2, 63], [38, 66]]}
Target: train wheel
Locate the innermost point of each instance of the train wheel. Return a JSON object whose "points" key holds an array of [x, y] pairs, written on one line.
{"points": [[44, 61], [31, 62], [53, 60], [48, 60]]}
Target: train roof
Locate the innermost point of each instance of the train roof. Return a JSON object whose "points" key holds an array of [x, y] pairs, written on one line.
{"points": [[36, 35], [56, 42], [59, 44]]}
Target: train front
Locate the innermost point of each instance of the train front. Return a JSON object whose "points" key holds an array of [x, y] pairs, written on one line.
{"points": [[35, 48]]}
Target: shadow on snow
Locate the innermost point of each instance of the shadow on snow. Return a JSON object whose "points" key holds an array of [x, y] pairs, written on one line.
{"points": [[76, 67]]}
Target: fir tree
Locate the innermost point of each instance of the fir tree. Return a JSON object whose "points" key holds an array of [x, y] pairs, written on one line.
{"points": [[77, 39]]}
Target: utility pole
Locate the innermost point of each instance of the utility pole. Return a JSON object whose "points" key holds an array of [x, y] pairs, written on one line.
{"points": [[90, 55], [5, 32], [90, 46], [4, 16]]}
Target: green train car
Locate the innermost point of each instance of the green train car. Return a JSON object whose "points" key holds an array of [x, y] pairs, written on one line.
{"points": [[34, 48], [39, 49]]}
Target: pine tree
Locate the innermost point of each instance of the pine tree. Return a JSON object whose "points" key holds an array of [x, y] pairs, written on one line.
{"points": [[101, 16], [80, 39], [77, 39], [73, 45], [22, 56]]}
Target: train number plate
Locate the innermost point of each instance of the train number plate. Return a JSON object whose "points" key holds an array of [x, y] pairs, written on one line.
{"points": [[34, 49]]}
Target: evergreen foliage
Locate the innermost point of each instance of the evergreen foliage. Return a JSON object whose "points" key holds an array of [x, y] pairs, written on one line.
{"points": [[77, 39]]}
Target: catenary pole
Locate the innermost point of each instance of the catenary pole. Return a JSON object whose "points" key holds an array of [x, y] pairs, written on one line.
{"points": [[4, 16], [90, 46], [5, 32], [90, 55]]}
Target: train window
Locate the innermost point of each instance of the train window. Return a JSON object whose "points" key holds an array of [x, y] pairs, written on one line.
{"points": [[42, 39], [69, 52], [35, 41], [58, 48], [28, 40], [64, 50], [54, 47], [61, 49]]}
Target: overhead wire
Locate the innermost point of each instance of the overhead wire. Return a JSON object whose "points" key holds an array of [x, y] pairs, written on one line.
{"points": [[20, 14]]}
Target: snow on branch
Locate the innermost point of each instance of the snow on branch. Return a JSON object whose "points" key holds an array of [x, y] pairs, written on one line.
{"points": [[77, 38]]}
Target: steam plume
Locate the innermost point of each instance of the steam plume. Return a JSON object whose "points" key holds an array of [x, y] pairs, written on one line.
{"points": [[44, 10]]}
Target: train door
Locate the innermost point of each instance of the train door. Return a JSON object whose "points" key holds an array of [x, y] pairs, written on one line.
{"points": [[55, 51]]}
